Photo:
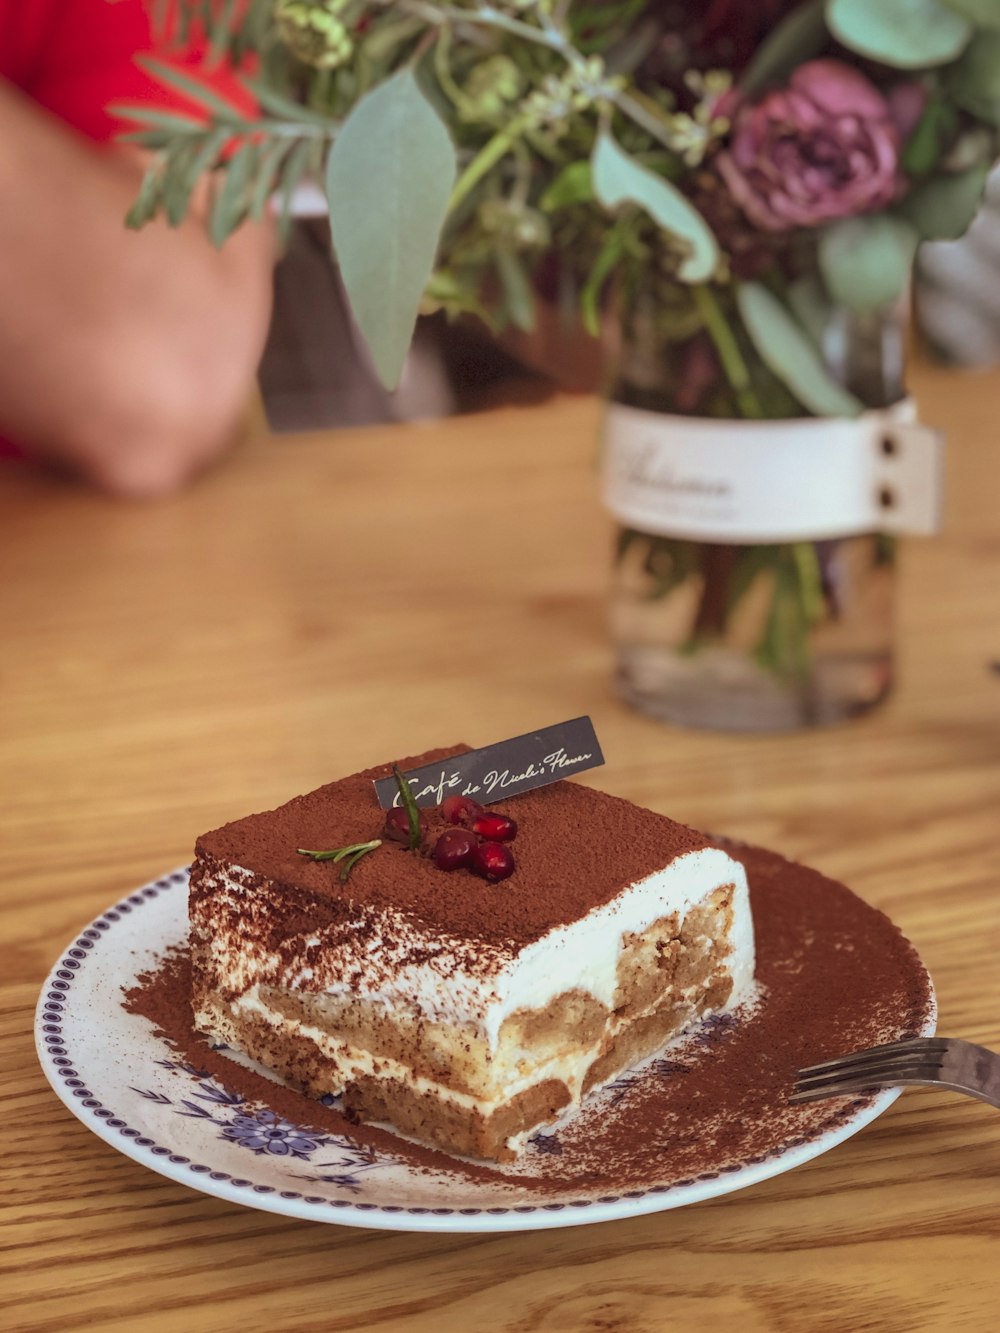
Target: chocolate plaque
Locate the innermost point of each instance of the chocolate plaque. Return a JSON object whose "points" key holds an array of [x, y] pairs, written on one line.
{"points": [[502, 770]]}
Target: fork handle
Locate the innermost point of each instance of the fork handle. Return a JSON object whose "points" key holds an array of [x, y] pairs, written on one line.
{"points": [[981, 1069]]}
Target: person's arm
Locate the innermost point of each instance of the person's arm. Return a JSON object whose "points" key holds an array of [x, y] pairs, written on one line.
{"points": [[125, 356]]}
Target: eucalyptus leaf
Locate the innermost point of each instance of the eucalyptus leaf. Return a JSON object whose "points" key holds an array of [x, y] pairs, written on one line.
{"points": [[785, 348], [810, 304], [942, 209], [799, 36], [975, 81], [983, 13], [906, 34], [866, 261], [389, 178], [619, 179]]}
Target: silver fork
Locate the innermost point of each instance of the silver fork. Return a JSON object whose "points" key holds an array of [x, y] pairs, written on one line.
{"points": [[939, 1062]]}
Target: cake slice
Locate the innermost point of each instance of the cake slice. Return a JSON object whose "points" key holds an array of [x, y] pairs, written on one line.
{"points": [[465, 1013]]}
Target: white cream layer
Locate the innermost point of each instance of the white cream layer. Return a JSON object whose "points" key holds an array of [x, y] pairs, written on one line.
{"points": [[347, 1062], [584, 954], [487, 985]]}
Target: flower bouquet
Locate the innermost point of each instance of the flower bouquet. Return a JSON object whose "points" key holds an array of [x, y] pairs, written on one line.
{"points": [[734, 190]]}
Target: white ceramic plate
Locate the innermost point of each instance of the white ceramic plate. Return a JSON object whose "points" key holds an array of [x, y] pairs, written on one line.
{"points": [[131, 1088]]}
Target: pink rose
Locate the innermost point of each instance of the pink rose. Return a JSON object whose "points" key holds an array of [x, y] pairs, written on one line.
{"points": [[824, 147]]}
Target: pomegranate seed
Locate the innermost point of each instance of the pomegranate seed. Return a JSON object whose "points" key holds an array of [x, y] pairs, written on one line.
{"points": [[460, 810], [397, 824], [454, 849], [495, 827], [492, 860]]}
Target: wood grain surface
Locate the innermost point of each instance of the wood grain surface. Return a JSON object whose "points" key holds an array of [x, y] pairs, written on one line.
{"points": [[326, 601]]}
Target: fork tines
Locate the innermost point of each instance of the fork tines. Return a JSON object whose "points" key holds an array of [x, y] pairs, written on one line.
{"points": [[892, 1062], [912, 1047]]}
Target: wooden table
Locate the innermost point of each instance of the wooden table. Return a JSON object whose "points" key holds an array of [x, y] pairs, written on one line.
{"points": [[322, 602]]}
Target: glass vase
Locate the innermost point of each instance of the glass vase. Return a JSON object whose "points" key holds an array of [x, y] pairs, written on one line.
{"points": [[764, 636]]}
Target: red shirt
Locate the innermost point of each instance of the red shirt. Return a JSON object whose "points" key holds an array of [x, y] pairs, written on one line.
{"points": [[75, 57]]}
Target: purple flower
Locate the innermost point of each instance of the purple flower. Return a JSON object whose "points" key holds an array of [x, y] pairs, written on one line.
{"points": [[265, 1133], [824, 147]]}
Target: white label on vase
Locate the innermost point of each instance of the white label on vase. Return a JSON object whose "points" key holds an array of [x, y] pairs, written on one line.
{"points": [[766, 481]]}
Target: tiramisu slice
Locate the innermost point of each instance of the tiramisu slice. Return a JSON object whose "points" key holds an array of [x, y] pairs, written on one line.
{"points": [[464, 1010]]}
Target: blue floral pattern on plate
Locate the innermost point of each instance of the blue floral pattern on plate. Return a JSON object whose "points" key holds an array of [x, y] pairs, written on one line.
{"points": [[121, 1080]]}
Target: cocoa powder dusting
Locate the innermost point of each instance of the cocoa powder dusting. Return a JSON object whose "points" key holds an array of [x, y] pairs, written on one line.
{"points": [[835, 975]]}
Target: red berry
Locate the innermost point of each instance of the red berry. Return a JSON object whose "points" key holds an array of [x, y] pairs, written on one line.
{"points": [[397, 824], [495, 827], [454, 849], [492, 860], [460, 810]]}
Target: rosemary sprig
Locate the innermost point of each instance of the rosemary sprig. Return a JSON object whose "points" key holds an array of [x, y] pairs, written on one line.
{"points": [[350, 855], [410, 806]]}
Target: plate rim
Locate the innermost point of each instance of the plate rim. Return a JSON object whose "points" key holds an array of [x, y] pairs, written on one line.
{"points": [[58, 1066]]}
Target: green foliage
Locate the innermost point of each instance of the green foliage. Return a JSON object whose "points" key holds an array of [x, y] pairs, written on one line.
{"points": [[809, 302], [350, 855], [215, 22], [158, 127], [573, 185], [975, 81], [983, 13], [608, 258], [315, 31], [799, 36], [186, 162], [410, 806], [668, 562], [518, 295], [231, 196], [556, 136], [199, 93], [907, 34], [942, 209], [147, 201], [782, 345], [797, 604], [934, 132], [620, 179], [302, 161], [388, 181], [866, 261], [285, 109]]}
